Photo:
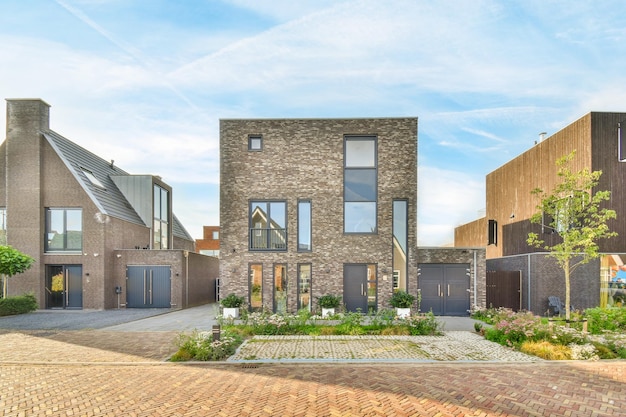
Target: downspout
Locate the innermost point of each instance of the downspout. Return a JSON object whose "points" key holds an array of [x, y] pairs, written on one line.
{"points": [[186, 255], [528, 272], [475, 273]]}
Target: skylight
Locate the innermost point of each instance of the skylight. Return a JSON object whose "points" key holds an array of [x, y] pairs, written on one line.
{"points": [[95, 181]]}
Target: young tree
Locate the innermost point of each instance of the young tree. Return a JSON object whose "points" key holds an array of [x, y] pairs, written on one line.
{"points": [[573, 210], [12, 262]]}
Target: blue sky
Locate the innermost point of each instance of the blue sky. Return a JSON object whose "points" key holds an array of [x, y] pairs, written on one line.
{"points": [[145, 82]]}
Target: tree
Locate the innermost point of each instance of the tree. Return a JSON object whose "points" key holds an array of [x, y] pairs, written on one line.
{"points": [[573, 210], [12, 262]]}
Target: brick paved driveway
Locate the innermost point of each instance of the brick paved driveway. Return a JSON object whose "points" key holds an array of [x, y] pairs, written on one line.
{"points": [[119, 374]]}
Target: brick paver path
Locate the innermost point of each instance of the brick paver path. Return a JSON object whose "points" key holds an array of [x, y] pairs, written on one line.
{"points": [[103, 382]]}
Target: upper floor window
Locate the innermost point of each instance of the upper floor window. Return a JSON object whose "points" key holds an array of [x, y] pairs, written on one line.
{"points": [[64, 230], [216, 235], [161, 218], [268, 225], [255, 143], [360, 189], [304, 225]]}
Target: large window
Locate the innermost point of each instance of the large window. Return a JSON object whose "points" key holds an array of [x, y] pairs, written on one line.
{"points": [[400, 241], [360, 184], [255, 287], [161, 218], [304, 287], [304, 225], [280, 288], [64, 230], [268, 225]]}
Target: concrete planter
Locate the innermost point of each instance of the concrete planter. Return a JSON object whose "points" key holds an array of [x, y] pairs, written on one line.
{"points": [[403, 312], [231, 312]]}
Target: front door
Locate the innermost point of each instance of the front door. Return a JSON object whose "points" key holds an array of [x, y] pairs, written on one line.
{"points": [[359, 287], [444, 289], [64, 286]]}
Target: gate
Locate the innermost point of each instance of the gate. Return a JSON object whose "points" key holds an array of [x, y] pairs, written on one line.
{"points": [[444, 289], [148, 287], [504, 289]]}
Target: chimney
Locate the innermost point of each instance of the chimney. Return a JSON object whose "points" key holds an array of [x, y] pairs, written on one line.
{"points": [[26, 120]]}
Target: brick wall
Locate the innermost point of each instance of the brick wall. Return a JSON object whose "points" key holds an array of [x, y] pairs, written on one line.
{"points": [[303, 159]]}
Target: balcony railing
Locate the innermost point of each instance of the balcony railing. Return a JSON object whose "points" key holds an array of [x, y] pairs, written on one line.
{"points": [[268, 239]]}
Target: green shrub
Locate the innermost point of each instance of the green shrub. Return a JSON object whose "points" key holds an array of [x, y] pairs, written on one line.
{"points": [[402, 299], [232, 301], [19, 304], [201, 347], [606, 319], [329, 301], [421, 325]]}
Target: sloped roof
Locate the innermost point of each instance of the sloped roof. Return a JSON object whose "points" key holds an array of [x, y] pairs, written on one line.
{"points": [[109, 199]]}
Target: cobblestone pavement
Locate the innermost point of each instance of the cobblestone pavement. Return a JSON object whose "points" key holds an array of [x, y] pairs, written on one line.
{"points": [[121, 370], [105, 373]]}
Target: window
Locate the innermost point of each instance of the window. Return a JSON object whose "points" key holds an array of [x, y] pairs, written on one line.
{"points": [[304, 286], [255, 287], [492, 232], [400, 244], [268, 225], [161, 218], [3, 226], [216, 235], [360, 185], [64, 230], [255, 143], [280, 288], [304, 226], [92, 178]]}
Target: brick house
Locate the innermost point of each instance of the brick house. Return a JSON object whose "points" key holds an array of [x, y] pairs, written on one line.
{"points": [[310, 207], [597, 140], [101, 238], [210, 242]]}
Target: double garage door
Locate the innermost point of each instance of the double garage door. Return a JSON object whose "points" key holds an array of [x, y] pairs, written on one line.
{"points": [[445, 289], [148, 287]]}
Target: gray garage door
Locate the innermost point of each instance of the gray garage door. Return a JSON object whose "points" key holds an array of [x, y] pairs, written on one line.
{"points": [[148, 287], [445, 289]]}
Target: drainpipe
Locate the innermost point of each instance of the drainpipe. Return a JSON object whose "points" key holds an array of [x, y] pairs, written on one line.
{"points": [[475, 271], [186, 255], [528, 272]]}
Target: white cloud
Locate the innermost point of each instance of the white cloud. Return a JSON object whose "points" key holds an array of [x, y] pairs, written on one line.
{"points": [[446, 199]]}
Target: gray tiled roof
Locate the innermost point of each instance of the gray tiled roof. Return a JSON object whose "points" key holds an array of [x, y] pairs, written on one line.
{"points": [[109, 199]]}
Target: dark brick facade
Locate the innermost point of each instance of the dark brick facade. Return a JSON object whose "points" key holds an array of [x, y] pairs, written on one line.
{"points": [[304, 159]]}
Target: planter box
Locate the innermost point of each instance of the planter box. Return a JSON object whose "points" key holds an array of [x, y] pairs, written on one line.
{"points": [[231, 312], [403, 312], [328, 312]]}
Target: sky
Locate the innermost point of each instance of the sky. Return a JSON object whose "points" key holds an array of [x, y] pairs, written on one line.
{"points": [[145, 82]]}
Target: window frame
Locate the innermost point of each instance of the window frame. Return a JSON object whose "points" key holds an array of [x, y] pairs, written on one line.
{"points": [[257, 232], [160, 220], [310, 225], [299, 287], [350, 167], [252, 139], [47, 229]]}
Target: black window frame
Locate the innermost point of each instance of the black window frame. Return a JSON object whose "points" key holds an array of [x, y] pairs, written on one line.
{"points": [[347, 168], [310, 220], [64, 233], [255, 235], [251, 139]]}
